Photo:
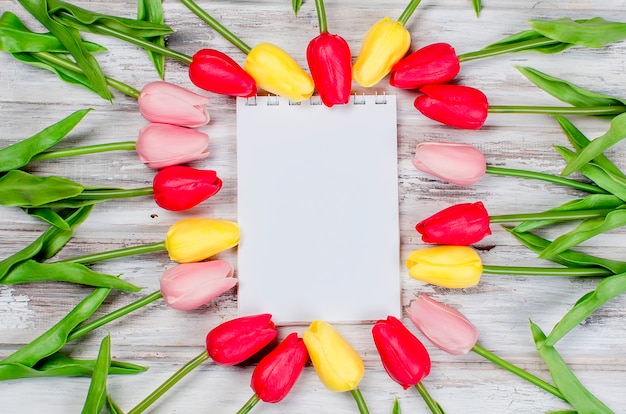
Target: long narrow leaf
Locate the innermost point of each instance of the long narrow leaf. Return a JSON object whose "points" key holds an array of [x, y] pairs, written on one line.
{"points": [[478, 5], [19, 188], [96, 395], [152, 11], [593, 33]]}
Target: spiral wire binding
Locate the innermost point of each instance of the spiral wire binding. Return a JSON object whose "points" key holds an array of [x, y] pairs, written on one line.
{"points": [[315, 100]]}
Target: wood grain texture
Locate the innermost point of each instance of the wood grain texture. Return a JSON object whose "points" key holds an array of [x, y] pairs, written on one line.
{"points": [[163, 339]]}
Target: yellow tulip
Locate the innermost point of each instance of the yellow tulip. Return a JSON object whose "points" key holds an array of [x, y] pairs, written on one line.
{"points": [[446, 266], [337, 364], [196, 239], [277, 72], [385, 43]]}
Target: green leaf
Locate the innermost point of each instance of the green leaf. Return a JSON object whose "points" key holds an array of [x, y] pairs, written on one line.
{"points": [[572, 389], [152, 11], [19, 154], [396, 407], [477, 6], [295, 5], [96, 395], [607, 289], [47, 215], [112, 406], [593, 33], [525, 41], [616, 133], [70, 38], [31, 271], [54, 338], [19, 188], [568, 92]]}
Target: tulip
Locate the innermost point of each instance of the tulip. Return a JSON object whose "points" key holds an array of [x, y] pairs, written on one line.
{"points": [[166, 103], [164, 145], [435, 63], [277, 72], [216, 72], [196, 239], [404, 357], [454, 105], [179, 188], [239, 339], [190, 285], [446, 266], [460, 164], [460, 224]]}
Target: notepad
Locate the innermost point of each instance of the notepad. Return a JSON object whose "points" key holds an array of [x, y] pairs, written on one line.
{"points": [[317, 191]]}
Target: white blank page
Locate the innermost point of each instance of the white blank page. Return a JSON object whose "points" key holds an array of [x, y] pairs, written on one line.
{"points": [[318, 209]]}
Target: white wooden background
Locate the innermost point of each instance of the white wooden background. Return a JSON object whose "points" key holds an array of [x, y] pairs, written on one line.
{"points": [[163, 339]]}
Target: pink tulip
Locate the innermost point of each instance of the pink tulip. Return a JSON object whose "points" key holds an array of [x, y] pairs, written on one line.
{"points": [[167, 103], [460, 164], [190, 285], [445, 327], [164, 145]]}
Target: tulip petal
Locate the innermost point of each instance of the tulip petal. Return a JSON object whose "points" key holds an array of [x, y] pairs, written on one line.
{"points": [[460, 164], [165, 145], [163, 102], [446, 266], [196, 239]]}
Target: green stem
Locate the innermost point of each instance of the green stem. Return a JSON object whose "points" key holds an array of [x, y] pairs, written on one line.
{"points": [[249, 404], [408, 12], [517, 371], [217, 26], [89, 149], [434, 406], [321, 15], [547, 271], [113, 254], [113, 193], [556, 110], [69, 65], [549, 215], [169, 383], [556, 179], [502, 49], [360, 402], [109, 317]]}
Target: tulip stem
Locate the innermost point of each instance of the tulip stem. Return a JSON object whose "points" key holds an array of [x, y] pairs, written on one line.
{"points": [[511, 172], [69, 65], [408, 12], [321, 15], [89, 149], [556, 110], [517, 371], [360, 402], [169, 383], [547, 271], [112, 254], [112, 193], [549, 215], [217, 26], [496, 50], [434, 406], [109, 317], [249, 404]]}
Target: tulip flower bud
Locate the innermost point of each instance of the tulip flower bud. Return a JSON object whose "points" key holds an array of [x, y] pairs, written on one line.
{"points": [[447, 328], [180, 188], [239, 339], [435, 63], [404, 357], [275, 375], [446, 266], [277, 72], [454, 105], [330, 62], [165, 145], [196, 239], [166, 103], [216, 72], [460, 224], [190, 285], [460, 164], [385, 43], [337, 364]]}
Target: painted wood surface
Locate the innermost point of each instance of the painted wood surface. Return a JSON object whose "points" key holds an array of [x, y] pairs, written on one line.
{"points": [[163, 339]]}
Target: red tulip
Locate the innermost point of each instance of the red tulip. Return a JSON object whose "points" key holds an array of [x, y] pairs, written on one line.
{"points": [[179, 188], [436, 63], [277, 372], [460, 224], [237, 340], [330, 62], [404, 357], [454, 105], [216, 72]]}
